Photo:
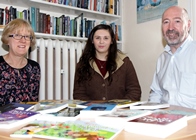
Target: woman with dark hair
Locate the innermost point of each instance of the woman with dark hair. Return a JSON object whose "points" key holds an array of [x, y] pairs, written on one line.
{"points": [[104, 72]]}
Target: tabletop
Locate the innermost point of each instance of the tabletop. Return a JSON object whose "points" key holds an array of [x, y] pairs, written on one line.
{"points": [[187, 133]]}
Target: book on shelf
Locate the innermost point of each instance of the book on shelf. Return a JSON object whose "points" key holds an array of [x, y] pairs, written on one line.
{"points": [[150, 105], [72, 3], [156, 124], [84, 4], [41, 22], [67, 22], [105, 6], [37, 12], [91, 5], [32, 17], [119, 33], [111, 7], [190, 115], [16, 117], [115, 7], [98, 109], [78, 25], [119, 117], [78, 130], [62, 25], [44, 23], [14, 105], [1, 16]]}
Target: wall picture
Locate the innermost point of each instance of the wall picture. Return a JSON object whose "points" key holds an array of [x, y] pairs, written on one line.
{"points": [[148, 10]]}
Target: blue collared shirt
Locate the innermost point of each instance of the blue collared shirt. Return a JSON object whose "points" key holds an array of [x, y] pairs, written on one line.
{"points": [[174, 80]]}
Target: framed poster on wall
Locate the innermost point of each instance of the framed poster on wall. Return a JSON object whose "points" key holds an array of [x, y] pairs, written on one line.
{"points": [[148, 10]]}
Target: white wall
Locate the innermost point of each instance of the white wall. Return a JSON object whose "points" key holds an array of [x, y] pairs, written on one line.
{"points": [[143, 42]]}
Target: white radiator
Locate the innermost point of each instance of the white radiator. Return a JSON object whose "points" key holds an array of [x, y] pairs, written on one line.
{"points": [[57, 59]]}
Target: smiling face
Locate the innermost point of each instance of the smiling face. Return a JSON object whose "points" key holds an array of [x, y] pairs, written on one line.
{"points": [[102, 41], [19, 47], [175, 26], [20, 27]]}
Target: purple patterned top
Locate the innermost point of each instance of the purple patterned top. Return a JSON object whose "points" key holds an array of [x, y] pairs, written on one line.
{"points": [[19, 85]]}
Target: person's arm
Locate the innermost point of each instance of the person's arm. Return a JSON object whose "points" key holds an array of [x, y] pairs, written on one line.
{"points": [[155, 93], [79, 91], [34, 83], [133, 90]]}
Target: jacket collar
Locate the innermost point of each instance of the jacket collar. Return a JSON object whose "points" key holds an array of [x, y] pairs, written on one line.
{"points": [[119, 61]]}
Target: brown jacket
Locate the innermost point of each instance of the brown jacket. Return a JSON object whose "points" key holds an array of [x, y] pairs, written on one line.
{"points": [[125, 84]]}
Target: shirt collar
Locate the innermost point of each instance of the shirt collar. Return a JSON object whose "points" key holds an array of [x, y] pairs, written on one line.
{"points": [[182, 47]]}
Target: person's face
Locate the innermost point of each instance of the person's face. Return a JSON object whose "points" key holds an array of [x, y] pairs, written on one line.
{"points": [[102, 40], [19, 47], [175, 26]]}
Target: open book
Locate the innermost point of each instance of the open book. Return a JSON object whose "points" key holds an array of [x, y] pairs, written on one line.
{"points": [[72, 130], [190, 115], [97, 109], [13, 105], [70, 113], [15, 117], [119, 117], [123, 103], [52, 106], [120, 103], [157, 124], [149, 105]]}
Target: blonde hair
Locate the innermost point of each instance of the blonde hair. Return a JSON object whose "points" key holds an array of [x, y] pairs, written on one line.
{"points": [[17, 25]]}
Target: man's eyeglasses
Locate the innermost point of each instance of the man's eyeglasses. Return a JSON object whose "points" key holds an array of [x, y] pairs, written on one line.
{"points": [[18, 37]]}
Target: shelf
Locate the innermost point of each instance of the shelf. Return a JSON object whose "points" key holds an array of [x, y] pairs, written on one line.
{"points": [[85, 11], [50, 36], [60, 37]]}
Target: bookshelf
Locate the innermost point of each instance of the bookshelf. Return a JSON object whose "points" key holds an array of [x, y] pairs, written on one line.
{"points": [[55, 9]]}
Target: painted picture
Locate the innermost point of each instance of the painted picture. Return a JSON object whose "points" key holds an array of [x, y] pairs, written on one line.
{"points": [[148, 10]]}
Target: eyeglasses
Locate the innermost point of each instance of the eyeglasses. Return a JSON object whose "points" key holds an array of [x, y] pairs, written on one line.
{"points": [[18, 37]]}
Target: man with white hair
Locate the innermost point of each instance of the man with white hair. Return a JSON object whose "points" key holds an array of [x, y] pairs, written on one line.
{"points": [[175, 76]]}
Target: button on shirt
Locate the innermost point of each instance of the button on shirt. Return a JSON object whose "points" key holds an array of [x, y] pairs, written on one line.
{"points": [[175, 76]]}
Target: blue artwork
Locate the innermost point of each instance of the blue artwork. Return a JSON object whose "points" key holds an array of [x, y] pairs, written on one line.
{"points": [[152, 9]]}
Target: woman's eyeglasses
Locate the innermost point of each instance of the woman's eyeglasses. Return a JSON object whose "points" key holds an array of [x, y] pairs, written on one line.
{"points": [[18, 37]]}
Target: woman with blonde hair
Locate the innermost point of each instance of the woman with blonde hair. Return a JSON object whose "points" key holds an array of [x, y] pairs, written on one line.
{"points": [[19, 76]]}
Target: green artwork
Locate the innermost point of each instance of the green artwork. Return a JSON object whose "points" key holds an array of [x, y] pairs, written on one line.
{"points": [[77, 130]]}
